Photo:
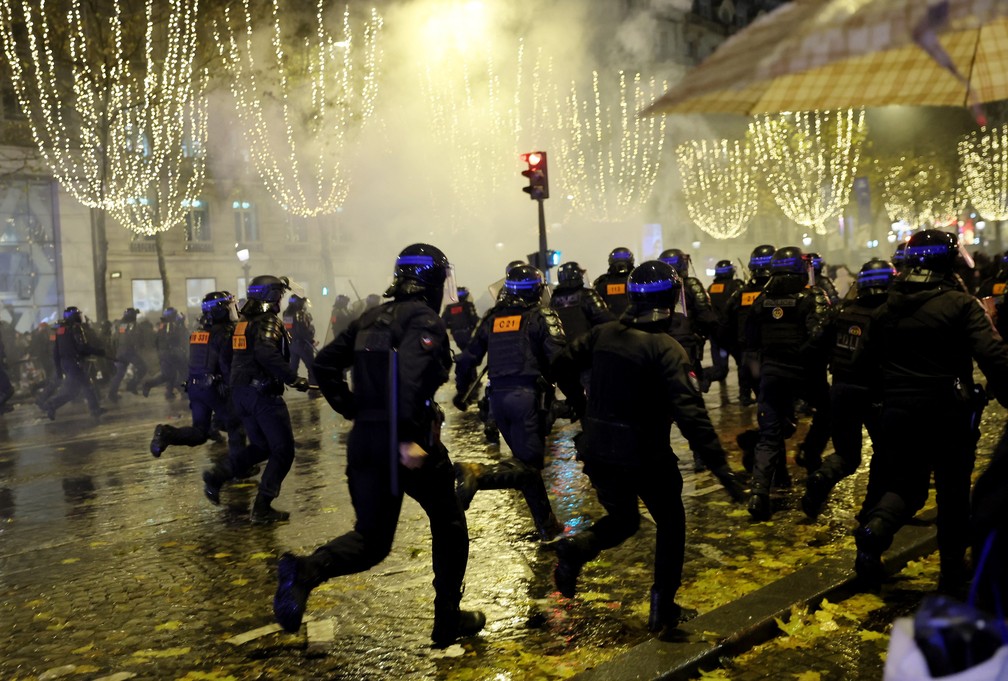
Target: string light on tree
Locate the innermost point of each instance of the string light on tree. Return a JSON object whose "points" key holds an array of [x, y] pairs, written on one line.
{"points": [[107, 124], [920, 191], [809, 159], [719, 186], [983, 161], [300, 146], [610, 157]]}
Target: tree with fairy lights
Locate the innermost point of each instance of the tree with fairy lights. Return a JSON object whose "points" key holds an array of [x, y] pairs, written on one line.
{"points": [[106, 96], [302, 107], [719, 186], [983, 162], [921, 191], [809, 159]]}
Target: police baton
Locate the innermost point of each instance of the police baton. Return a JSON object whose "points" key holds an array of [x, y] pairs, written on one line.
{"points": [[472, 386]]}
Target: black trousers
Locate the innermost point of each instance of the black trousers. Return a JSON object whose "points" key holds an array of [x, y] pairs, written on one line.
{"points": [[75, 381], [778, 391], [851, 409], [123, 360], [271, 438], [204, 403], [377, 508], [658, 483]]}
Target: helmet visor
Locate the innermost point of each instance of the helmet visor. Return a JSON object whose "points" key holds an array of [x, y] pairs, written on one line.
{"points": [[450, 294]]}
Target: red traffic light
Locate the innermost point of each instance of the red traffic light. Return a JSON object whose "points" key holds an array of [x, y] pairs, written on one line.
{"points": [[533, 158], [538, 187]]}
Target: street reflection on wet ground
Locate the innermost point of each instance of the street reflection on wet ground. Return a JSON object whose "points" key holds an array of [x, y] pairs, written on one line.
{"points": [[113, 562]]}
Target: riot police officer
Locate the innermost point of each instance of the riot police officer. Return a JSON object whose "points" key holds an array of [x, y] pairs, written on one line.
{"points": [[299, 324], [991, 293], [210, 354], [855, 391], [733, 330], [640, 384], [260, 367], [171, 342], [698, 321], [73, 345], [340, 317], [899, 256], [579, 308], [821, 280], [460, 317], [394, 446], [519, 337], [128, 342], [612, 285], [924, 338], [786, 323], [720, 291]]}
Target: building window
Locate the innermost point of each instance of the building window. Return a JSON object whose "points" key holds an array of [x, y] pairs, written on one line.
{"points": [[197, 226], [246, 224], [148, 295], [196, 289], [297, 229]]}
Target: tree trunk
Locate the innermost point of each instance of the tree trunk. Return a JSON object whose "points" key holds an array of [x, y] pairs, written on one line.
{"points": [[99, 247], [162, 269]]}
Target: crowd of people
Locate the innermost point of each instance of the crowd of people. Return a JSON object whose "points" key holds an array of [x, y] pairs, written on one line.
{"points": [[899, 340]]}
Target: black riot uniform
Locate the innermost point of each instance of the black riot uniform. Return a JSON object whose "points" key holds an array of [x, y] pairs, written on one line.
{"points": [[340, 317], [698, 320], [736, 314], [172, 343], [394, 446], [128, 342], [210, 354], [786, 323], [925, 338], [855, 392], [640, 385], [300, 325], [580, 308], [720, 291], [6, 388], [612, 285], [460, 317], [992, 292], [72, 346], [260, 367], [519, 338]]}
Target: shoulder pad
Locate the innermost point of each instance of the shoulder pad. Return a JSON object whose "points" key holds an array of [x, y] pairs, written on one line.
{"points": [[553, 324], [270, 326]]}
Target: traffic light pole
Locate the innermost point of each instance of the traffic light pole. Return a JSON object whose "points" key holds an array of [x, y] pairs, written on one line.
{"points": [[542, 239]]}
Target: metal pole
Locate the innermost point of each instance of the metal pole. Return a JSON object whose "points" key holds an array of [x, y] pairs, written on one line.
{"points": [[542, 238]]}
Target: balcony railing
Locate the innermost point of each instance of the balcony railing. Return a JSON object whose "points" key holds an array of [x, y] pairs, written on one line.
{"points": [[199, 247], [143, 247]]}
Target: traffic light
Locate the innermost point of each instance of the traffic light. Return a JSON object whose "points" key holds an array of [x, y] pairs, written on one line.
{"points": [[552, 260], [538, 186]]}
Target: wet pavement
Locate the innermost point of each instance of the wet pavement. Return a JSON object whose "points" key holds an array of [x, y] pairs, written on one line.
{"points": [[114, 565]]}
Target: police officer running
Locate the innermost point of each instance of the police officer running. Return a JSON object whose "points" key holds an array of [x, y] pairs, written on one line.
{"points": [[640, 385], [73, 345], [128, 341], [260, 368], [924, 338], [786, 323], [399, 355], [580, 308], [720, 291], [519, 338], [612, 285], [210, 356], [460, 317], [736, 315], [340, 317], [855, 391], [298, 322], [171, 343]]}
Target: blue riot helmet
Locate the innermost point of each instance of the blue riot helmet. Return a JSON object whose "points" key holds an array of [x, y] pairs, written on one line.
{"points": [[265, 293], [759, 261], [170, 314], [677, 260], [788, 260], [216, 306], [511, 265], [130, 314], [653, 289], [463, 293], [570, 274], [72, 315], [525, 283], [621, 260], [423, 270], [931, 254], [724, 269], [875, 277]]}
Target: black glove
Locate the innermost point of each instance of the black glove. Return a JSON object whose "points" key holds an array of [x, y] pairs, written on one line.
{"points": [[460, 403], [300, 384], [730, 481]]}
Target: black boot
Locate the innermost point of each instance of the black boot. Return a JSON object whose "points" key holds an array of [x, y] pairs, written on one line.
{"points": [[550, 529], [451, 624], [296, 577], [263, 511], [161, 439], [871, 542], [572, 554], [213, 479], [817, 490], [810, 461], [759, 506], [467, 477], [667, 614]]}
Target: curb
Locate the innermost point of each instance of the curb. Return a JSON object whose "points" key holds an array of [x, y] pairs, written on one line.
{"points": [[749, 621]]}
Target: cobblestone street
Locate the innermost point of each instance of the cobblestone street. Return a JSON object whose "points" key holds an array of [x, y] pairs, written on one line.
{"points": [[114, 565]]}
